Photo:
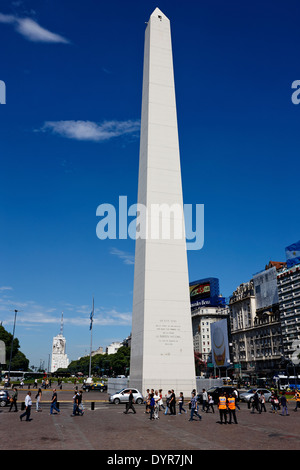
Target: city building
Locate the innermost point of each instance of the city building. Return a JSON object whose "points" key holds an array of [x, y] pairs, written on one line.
{"points": [[59, 357], [242, 313], [288, 282], [202, 317], [113, 347], [207, 307], [255, 324], [98, 351]]}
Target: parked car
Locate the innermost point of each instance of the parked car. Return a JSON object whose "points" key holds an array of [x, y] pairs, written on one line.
{"points": [[100, 386], [4, 398], [215, 392], [248, 396], [123, 396]]}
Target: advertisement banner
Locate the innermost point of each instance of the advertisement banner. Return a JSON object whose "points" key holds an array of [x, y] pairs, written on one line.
{"points": [[265, 288], [199, 291], [293, 254], [219, 343]]}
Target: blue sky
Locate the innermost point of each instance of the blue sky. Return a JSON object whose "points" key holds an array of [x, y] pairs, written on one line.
{"points": [[69, 141]]}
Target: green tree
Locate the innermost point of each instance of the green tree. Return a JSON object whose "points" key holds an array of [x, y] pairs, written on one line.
{"points": [[103, 364], [19, 360]]}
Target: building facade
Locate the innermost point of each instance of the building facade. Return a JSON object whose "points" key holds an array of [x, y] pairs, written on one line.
{"points": [[59, 357], [288, 281], [207, 307], [202, 318], [255, 319], [113, 347]]}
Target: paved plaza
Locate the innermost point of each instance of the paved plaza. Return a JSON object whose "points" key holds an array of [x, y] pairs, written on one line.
{"points": [[107, 428]]}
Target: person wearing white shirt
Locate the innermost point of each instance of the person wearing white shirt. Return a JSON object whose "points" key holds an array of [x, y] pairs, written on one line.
{"points": [[156, 406], [28, 405]]}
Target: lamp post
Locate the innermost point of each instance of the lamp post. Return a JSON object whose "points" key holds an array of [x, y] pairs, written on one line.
{"points": [[12, 341]]}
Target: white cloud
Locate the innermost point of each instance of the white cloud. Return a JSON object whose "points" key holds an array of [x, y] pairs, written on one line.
{"points": [[88, 130], [31, 30], [33, 315], [5, 288], [126, 257]]}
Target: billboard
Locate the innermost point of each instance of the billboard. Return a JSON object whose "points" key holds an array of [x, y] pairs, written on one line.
{"points": [[265, 288], [219, 343], [199, 291], [292, 253]]}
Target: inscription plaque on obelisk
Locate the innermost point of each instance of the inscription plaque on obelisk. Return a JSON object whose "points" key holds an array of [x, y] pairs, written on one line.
{"points": [[162, 353]]}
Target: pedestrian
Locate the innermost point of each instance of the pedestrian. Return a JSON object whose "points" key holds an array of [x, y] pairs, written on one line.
{"points": [[204, 400], [210, 403], [80, 403], [152, 403], [35, 383], [6, 382], [173, 403], [194, 407], [161, 403], [54, 402], [168, 398], [28, 405], [237, 398], [75, 404], [181, 402], [13, 400], [262, 401], [147, 401], [222, 408], [38, 398], [297, 398], [255, 403], [129, 405], [156, 405], [274, 402], [231, 409], [284, 402]]}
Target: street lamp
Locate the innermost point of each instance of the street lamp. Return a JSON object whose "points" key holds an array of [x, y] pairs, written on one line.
{"points": [[12, 341]]}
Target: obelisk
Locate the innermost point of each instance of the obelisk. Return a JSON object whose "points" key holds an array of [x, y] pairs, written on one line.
{"points": [[162, 353]]}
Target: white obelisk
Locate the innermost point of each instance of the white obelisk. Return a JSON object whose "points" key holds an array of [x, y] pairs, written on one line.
{"points": [[162, 353]]}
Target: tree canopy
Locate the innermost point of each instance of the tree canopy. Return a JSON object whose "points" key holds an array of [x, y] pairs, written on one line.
{"points": [[19, 360], [103, 364]]}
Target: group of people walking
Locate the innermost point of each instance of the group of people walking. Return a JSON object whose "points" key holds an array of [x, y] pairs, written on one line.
{"points": [[54, 405], [227, 404], [154, 403], [258, 403]]}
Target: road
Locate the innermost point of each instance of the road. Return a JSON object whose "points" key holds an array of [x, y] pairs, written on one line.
{"points": [[107, 428]]}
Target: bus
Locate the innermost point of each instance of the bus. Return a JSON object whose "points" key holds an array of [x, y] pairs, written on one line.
{"points": [[285, 382], [294, 382], [282, 381], [18, 375]]}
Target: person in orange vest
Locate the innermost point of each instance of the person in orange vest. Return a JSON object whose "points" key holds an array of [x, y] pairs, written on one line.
{"points": [[231, 409], [223, 408], [297, 398]]}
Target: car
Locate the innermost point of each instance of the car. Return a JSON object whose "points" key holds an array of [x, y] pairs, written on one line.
{"points": [[4, 398], [248, 396], [123, 396], [100, 386], [215, 392]]}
